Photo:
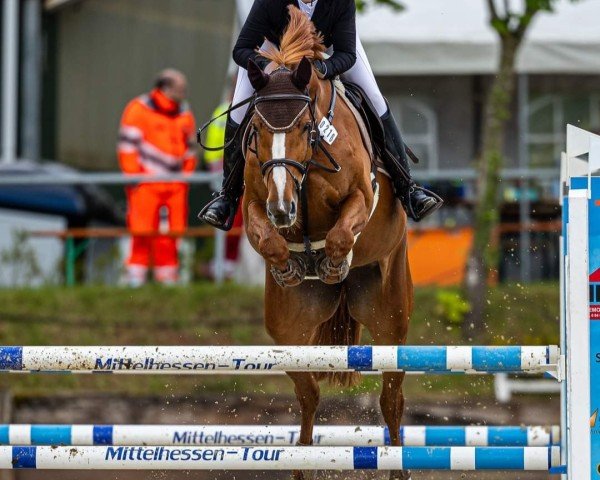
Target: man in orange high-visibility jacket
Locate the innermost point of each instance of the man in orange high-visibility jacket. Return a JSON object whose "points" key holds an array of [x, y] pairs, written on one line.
{"points": [[157, 137]]}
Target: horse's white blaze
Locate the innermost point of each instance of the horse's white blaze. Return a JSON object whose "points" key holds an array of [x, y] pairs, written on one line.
{"points": [[279, 173]]}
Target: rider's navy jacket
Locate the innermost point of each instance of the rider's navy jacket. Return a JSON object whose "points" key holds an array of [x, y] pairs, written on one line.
{"points": [[335, 19]]}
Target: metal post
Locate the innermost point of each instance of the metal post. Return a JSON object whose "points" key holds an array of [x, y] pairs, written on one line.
{"points": [[524, 201], [10, 75], [31, 79]]}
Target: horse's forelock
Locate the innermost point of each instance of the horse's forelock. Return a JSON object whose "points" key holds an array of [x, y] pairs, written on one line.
{"points": [[300, 39]]}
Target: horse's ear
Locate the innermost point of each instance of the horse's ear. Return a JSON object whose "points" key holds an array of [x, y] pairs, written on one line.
{"points": [[258, 78], [302, 74]]}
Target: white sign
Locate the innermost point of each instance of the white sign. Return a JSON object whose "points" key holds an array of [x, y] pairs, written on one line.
{"points": [[327, 131]]}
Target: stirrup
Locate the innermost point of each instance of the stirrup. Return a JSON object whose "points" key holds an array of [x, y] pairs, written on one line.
{"points": [[406, 203], [213, 221]]}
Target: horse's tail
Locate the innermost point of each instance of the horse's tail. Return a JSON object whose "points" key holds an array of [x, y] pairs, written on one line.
{"points": [[340, 329]]}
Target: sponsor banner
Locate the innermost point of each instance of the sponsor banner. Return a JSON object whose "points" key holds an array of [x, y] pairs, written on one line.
{"points": [[594, 289]]}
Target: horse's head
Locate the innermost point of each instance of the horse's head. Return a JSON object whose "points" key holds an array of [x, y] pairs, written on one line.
{"points": [[282, 131]]}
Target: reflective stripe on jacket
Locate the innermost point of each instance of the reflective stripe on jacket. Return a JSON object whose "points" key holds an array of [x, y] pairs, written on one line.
{"points": [[157, 136]]}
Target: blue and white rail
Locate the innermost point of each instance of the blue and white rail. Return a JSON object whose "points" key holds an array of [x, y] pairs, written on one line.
{"points": [[279, 458], [276, 435], [210, 359]]}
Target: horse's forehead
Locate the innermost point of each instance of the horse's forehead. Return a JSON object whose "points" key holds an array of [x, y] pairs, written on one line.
{"points": [[280, 113]]}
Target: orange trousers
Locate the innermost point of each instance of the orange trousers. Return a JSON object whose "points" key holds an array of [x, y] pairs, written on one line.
{"points": [[145, 202]]}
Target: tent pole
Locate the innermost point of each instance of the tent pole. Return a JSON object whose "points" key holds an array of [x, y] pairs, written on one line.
{"points": [[10, 75]]}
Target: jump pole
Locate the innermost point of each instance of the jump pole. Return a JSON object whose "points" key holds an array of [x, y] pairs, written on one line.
{"points": [[252, 359], [280, 458], [277, 435]]}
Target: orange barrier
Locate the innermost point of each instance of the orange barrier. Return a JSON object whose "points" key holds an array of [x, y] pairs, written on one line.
{"points": [[438, 256]]}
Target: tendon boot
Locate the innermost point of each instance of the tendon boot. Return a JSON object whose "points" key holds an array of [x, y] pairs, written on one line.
{"points": [[220, 212], [418, 202]]}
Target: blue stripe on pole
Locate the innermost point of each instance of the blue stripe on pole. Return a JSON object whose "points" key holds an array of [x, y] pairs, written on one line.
{"points": [[426, 458], [11, 358], [497, 359], [365, 458], [103, 434], [24, 457], [4, 435], [51, 435], [361, 357], [505, 437], [450, 436], [386, 436], [422, 358], [509, 458]]}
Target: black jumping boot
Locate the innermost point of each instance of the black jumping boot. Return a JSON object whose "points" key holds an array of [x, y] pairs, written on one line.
{"points": [[220, 212], [416, 200]]}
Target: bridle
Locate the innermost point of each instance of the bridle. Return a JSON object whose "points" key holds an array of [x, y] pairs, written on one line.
{"points": [[314, 144]]}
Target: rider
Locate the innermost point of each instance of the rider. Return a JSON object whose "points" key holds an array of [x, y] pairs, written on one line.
{"points": [[336, 21]]}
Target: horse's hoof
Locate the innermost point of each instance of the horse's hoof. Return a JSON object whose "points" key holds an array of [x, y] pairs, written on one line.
{"points": [[329, 273], [293, 274]]}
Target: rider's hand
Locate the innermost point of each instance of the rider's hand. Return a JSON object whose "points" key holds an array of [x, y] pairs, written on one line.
{"points": [[262, 62], [321, 68]]}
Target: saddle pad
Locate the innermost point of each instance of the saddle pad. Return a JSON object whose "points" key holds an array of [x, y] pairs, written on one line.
{"points": [[362, 126]]}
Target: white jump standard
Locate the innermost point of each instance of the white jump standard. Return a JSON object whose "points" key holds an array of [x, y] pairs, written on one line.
{"points": [[277, 435], [208, 359]]}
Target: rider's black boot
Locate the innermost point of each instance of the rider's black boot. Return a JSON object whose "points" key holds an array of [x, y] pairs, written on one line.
{"points": [[416, 200], [220, 212]]}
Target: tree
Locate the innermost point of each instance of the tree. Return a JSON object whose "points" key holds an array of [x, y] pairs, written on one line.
{"points": [[511, 23], [361, 5]]}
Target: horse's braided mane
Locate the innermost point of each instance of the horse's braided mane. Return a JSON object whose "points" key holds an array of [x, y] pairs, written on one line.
{"points": [[300, 39]]}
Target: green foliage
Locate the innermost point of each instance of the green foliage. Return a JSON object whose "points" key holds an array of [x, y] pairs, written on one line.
{"points": [[362, 5], [451, 306], [20, 260]]}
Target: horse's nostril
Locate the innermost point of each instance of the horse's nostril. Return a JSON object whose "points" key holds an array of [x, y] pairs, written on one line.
{"points": [[293, 209]]}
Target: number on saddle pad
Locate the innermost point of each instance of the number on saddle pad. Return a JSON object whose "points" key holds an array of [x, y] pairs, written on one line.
{"points": [[327, 131]]}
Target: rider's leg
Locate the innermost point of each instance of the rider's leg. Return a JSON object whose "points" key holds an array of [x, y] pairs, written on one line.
{"points": [[417, 202], [220, 212]]}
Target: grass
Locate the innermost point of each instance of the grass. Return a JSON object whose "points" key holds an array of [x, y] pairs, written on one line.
{"points": [[205, 314]]}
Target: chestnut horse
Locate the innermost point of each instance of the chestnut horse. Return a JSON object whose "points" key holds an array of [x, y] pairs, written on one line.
{"points": [[307, 199]]}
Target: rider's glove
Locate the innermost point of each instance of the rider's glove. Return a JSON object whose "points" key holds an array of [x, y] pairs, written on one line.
{"points": [[321, 68], [262, 62]]}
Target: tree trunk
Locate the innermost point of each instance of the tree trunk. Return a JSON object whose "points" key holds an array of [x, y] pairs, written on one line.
{"points": [[483, 258]]}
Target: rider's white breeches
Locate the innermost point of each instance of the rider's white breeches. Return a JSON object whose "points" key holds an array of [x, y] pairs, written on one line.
{"points": [[361, 74]]}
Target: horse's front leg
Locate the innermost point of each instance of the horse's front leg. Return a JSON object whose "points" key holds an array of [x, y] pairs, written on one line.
{"points": [[265, 238], [339, 242]]}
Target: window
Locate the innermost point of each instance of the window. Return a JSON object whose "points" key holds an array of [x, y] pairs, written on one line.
{"points": [[418, 124], [548, 115]]}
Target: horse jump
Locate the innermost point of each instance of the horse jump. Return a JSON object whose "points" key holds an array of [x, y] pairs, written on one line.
{"points": [[574, 365]]}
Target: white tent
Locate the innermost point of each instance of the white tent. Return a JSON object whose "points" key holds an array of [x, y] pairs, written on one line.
{"points": [[435, 37]]}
